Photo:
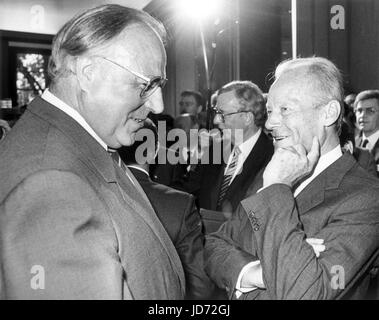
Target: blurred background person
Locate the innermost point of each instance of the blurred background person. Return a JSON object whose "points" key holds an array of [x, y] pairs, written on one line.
{"points": [[177, 212], [366, 108]]}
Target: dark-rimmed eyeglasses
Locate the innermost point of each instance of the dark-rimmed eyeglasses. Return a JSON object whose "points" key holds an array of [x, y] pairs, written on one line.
{"points": [[150, 85], [222, 115]]}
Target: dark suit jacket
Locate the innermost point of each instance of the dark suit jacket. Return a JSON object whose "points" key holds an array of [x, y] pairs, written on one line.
{"points": [[341, 206], [66, 206], [212, 176], [374, 151], [179, 216]]}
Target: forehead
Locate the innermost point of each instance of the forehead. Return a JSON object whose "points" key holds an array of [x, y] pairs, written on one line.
{"points": [[227, 100], [188, 98], [289, 89], [368, 103], [139, 46]]}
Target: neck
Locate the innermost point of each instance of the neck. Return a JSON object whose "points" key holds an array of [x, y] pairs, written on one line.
{"points": [[329, 144], [63, 90], [370, 133]]}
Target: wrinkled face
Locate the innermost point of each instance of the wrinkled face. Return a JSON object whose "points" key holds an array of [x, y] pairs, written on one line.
{"points": [[367, 113], [241, 123], [292, 116], [188, 104], [112, 104]]}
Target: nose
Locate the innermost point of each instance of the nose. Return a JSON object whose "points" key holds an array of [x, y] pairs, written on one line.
{"points": [[273, 120], [155, 102]]}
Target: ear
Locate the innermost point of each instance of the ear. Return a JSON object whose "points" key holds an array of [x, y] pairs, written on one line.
{"points": [[249, 117], [331, 113], [199, 108], [84, 70]]}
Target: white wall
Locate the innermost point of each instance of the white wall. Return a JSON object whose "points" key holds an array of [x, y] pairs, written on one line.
{"points": [[47, 16]]}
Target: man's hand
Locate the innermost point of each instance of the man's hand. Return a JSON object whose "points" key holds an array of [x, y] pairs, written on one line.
{"points": [[317, 245], [289, 165], [4, 128]]}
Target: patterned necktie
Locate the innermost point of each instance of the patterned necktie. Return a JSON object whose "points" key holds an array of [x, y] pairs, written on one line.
{"points": [[364, 143], [228, 175]]}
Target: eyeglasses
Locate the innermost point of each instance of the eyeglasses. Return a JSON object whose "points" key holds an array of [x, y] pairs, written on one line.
{"points": [[369, 111], [151, 84], [222, 115]]}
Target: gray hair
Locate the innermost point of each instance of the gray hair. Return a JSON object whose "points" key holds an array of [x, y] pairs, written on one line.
{"points": [[250, 99], [324, 77], [92, 29]]}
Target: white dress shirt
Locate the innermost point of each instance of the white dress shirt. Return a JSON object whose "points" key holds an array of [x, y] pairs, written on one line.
{"points": [[58, 103], [325, 161], [245, 149], [372, 139]]}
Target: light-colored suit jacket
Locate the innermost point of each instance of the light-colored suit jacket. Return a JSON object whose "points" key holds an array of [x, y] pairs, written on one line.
{"points": [[341, 206], [72, 224]]}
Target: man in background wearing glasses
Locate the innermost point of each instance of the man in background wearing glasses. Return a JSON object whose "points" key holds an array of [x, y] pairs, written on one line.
{"points": [[366, 107], [240, 111], [73, 224]]}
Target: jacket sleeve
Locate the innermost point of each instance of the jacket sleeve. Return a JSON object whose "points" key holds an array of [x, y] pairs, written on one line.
{"points": [[58, 241], [228, 250], [290, 267], [190, 246]]}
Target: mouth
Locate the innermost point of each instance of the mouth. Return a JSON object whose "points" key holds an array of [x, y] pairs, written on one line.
{"points": [[278, 138]]}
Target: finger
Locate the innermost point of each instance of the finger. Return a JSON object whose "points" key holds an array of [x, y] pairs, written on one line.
{"points": [[319, 247], [315, 240], [300, 150], [314, 153]]}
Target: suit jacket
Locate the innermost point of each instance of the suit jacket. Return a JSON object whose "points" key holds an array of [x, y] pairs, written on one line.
{"points": [[374, 151], [341, 206], [178, 214], [67, 209], [212, 176]]}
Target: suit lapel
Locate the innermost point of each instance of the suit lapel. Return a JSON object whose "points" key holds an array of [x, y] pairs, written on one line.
{"points": [[100, 163], [314, 193], [253, 161]]}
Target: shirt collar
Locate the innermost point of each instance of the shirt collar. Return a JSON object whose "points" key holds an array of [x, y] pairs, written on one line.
{"points": [[325, 161], [372, 139], [138, 168], [248, 145], [58, 103]]}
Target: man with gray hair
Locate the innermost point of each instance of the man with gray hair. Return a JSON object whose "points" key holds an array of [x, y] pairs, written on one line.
{"points": [[73, 225], [310, 190]]}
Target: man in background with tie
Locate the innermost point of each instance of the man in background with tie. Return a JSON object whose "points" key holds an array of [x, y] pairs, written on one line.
{"points": [[73, 225], [241, 114], [310, 190], [366, 107]]}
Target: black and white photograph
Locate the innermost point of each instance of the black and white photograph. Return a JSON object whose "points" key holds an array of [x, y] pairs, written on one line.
{"points": [[191, 154]]}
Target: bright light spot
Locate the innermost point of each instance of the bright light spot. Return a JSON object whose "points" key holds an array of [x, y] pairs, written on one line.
{"points": [[199, 9]]}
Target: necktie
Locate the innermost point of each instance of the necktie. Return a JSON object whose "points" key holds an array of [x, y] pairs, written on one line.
{"points": [[364, 143], [228, 175], [115, 156]]}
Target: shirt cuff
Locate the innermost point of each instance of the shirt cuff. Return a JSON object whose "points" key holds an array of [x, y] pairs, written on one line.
{"points": [[239, 289]]}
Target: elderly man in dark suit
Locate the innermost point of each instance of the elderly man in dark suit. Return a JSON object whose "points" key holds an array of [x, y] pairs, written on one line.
{"points": [[175, 209], [240, 110], [310, 189], [73, 225]]}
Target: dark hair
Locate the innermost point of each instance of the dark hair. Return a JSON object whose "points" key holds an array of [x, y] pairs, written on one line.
{"points": [[92, 29], [250, 99], [197, 95], [128, 153], [365, 95]]}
